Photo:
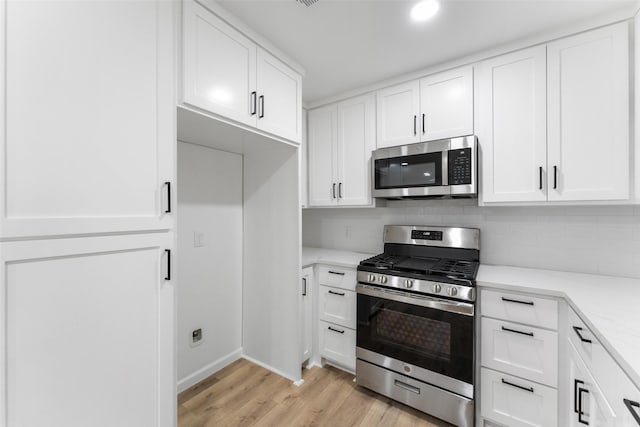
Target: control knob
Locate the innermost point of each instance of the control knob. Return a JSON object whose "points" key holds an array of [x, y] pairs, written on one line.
{"points": [[383, 279], [408, 283], [452, 291], [437, 288], [372, 278]]}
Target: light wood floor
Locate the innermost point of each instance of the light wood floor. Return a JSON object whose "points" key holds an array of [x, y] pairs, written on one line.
{"points": [[244, 394]]}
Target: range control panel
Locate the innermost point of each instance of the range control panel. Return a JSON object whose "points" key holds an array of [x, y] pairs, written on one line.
{"points": [[460, 166], [426, 235]]}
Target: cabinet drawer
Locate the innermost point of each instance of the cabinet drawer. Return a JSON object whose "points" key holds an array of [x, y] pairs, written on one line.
{"points": [[338, 306], [516, 402], [338, 345], [520, 350], [520, 308], [338, 277]]}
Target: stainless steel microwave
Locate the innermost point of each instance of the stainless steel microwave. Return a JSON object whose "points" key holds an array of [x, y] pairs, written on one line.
{"points": [[445, 168]]}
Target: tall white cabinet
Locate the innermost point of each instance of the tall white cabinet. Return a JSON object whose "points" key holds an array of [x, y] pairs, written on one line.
{"points": [[553, 121], [341, 138], [87, 165]]}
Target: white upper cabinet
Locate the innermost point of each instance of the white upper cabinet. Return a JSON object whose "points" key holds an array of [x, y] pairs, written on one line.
{"points": [[398, 108], [512, 126], [588, 107], [219, 65], [446, 105], [279, 103], [436, 107], [341, 139], [229, 75], [356, 141], [554, 126], [87, 118], [322, 130]]}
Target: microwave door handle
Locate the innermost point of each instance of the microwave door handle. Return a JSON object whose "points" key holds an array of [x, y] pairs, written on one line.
{"points": [[445, 167]]}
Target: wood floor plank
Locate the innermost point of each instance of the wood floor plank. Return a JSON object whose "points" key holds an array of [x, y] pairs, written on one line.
{"points": [[244, 394]]}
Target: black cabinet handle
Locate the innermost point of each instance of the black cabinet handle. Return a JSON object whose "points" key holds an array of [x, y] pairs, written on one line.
{"points": [[333, 191], [304, 288], [577, 330], [529, 389], [516, 301], [168, 276], [580, 412], [339, 273], [336, 330], [337, 293], [630, 404], [261, 107], [529, 334], [576, 382], [340, 190], [423, 118], [555, 177], [168, 184], [253, 103], [540, 178], [415, 124]]}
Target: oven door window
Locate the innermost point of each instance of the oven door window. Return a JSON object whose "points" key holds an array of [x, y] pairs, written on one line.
{"points": [[420, 170], [436, 340]]}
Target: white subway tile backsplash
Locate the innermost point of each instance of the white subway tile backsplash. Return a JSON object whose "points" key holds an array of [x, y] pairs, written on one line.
{"points": [[588, 239]]}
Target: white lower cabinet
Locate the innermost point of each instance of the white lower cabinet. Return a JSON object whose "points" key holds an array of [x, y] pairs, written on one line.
{"points": [[517, 402], [87, 332], [306, 313], [338, 344], [338, 306]]}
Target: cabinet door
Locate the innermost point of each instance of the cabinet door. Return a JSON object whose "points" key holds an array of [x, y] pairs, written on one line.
{"points": [[588, 114], [87, 121], [279, 102], [338, 306], [306, 315], [356, 141], [446, 103], [87, 332], [322, 151], [219, 66], [398, 108], [512, 126]]}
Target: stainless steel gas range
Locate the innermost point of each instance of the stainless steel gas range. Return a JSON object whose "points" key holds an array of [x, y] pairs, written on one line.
{"points": [[416, 315]]}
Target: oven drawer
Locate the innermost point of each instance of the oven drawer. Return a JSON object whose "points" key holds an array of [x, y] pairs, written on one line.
{"points": [[515, 402], [338, 306], [520, 308], [338, 345], [520, 350], [337, 277]]}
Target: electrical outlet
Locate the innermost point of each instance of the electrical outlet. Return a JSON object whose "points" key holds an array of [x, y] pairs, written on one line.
{"points": [[196, 337], [198, 239]]}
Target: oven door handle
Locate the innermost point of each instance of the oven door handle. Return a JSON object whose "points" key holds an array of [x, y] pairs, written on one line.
{"points": [[463, 308]]}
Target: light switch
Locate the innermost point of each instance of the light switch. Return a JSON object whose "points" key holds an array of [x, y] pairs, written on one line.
{"points": [[198, 239]]}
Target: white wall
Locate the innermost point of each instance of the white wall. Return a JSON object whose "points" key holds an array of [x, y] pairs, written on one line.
{"points": [[209, 277], [598, 239]]}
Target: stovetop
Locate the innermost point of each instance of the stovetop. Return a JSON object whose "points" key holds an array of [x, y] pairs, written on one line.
{"points": [[422, 266]]}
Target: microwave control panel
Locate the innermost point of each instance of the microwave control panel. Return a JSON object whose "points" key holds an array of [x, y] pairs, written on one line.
{"points": [[460, 166]]}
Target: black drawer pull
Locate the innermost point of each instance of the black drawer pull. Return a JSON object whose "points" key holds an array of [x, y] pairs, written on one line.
{"points": [[580, 412], [576, 407], [168, 184], [577, 330], [168, 276], [516, 301], [304, 291], [529, 389], [529, 334], [630, 404], [336, 293], [336, 330], [336, 272]]}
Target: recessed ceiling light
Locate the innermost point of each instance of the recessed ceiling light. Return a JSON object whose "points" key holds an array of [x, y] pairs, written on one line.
{"points": [[424, 10]]}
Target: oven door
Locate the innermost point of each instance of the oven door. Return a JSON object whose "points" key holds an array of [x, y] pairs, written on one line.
{"points": [[433, 335]]}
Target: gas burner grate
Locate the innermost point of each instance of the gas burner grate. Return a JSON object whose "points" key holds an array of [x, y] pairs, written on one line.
{"points": [[451, 267], [383, 261]]}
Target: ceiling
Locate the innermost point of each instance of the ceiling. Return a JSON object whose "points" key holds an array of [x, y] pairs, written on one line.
{"points": [[346, 44]]}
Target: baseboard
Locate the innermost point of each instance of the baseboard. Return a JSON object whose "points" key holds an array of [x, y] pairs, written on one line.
{"points": [[211, 368], [271, 368]]}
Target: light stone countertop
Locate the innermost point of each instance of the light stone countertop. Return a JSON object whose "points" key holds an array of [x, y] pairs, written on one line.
{"points": [[609, 305]]}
